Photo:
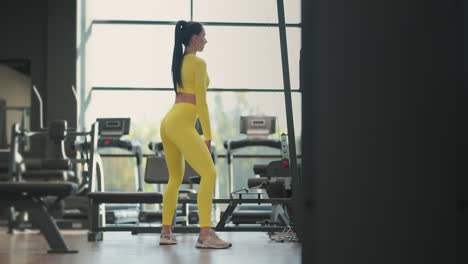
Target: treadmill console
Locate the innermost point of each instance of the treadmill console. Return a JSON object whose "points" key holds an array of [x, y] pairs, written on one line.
{"points": [[113, 127], [257, 126]]}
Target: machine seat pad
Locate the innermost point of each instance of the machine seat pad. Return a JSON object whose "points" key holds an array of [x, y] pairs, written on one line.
{"points": [[48, 175], [37, 189], [126, 197]]}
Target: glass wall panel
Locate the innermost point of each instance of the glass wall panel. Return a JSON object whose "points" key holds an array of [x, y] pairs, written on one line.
{"points": [[237, 57], [132, 55], [257, 11], [161, 10]]}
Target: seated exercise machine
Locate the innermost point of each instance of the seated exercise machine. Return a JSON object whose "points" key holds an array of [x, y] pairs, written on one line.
{"points": [[53, 165], [40, 156], [30, 195]]}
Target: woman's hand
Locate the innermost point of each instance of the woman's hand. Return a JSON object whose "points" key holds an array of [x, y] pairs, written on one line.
{"points": [[208, 145]]}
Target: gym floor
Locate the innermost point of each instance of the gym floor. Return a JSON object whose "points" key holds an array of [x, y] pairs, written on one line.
{"points": [[122, 247]]}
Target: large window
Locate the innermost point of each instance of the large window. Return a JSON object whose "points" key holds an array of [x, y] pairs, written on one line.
{"points": [[163, 10], [237, 57], [258, 11], [131, 44]]}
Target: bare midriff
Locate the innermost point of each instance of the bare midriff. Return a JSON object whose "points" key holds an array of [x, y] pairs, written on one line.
{"points": [[185, 98]]}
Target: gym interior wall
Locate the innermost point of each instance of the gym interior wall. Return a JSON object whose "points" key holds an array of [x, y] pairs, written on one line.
{"points": [[44, 32]]}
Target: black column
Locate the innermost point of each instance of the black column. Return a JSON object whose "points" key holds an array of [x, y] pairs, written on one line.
{"points": [[379, 82], [45, 33], [23, 31], [61, 60], [462, 141]]}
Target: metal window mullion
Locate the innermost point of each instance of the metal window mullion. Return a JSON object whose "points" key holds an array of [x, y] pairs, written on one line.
{"points": [[140, 89], [155, 22], [191, 10], [287, 91]]}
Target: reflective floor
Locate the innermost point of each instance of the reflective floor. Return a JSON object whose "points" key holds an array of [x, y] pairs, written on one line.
{"points": [[123, 247]]}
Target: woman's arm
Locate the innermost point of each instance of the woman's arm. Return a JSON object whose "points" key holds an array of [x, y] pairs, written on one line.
{"points": [[200, 94]]}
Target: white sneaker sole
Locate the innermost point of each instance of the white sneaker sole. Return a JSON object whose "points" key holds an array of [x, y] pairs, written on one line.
{"points": [[209, 246], [165, 241]]}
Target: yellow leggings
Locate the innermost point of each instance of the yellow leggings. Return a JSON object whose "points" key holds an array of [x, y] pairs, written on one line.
{"points": [[181, 140]]}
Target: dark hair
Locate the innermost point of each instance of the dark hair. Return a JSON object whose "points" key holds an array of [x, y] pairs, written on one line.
{"points": [[183, 33]]}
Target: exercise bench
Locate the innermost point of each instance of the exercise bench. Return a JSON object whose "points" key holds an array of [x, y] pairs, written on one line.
{"points": [[28, 196]]}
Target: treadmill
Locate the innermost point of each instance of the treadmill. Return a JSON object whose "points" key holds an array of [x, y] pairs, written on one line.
{"points": [[257, 130], [111, 132]]}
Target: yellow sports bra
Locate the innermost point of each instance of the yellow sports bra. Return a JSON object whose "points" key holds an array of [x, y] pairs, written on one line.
{"points": [[195, 81]]}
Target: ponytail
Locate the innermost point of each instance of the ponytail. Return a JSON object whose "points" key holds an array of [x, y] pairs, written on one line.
{"points": [[178, 55], [183, 33]]}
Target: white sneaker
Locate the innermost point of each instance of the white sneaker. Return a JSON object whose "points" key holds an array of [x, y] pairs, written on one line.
{"points": [[212, 241], [167, 240]]}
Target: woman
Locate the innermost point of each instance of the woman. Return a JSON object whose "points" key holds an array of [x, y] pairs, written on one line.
{"points": [[181, 140]]}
